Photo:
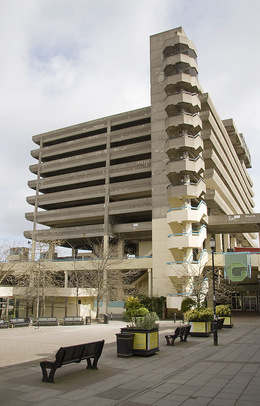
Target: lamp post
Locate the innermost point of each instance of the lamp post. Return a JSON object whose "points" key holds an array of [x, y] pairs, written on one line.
{"points": [[215, 329]]}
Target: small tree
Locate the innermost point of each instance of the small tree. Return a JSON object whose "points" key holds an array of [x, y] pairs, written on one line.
{"points": [[187, 304], [103, 272], [134, 308], [37, 276]]}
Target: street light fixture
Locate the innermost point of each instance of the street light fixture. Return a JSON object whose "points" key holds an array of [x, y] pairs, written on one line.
{"points": [[212, 244]]}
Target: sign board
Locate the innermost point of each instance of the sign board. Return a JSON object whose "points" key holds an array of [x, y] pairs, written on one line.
{"points": [[237, 266]]}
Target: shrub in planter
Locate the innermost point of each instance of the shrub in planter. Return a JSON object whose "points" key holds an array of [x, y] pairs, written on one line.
{"points": [[146, 334], [223, 311], [200, 320], [148, 322], [201, 314], [134, 309]]}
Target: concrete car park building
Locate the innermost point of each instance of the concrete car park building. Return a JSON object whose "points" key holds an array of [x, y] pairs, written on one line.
{"points": [[160, 177]]}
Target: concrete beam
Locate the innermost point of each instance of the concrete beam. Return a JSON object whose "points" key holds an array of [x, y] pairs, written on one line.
{"points": [[237, 223]]}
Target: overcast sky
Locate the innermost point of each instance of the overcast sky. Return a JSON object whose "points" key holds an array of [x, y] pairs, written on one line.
{"points": [[64, 62]]}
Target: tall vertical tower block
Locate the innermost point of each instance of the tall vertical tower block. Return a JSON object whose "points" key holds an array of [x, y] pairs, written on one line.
{"points": [[153, 176]]}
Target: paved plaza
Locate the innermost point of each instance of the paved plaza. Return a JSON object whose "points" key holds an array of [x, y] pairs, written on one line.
{"points": [[192, 373]]}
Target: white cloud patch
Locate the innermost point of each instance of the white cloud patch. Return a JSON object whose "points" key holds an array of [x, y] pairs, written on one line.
{"points": [[69, 61]]}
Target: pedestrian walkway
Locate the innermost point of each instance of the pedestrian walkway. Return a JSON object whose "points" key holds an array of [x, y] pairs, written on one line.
{"points": [[192, 373]]}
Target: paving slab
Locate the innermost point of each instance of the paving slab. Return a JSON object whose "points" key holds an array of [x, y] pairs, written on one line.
{"points": [[192, 373]]}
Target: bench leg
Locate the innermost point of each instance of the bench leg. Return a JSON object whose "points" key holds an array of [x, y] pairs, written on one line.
{"points": [[45, 377], [92, 365]]}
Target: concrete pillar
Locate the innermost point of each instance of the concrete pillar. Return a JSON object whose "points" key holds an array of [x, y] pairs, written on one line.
{"points": [[121, 249], [226, 242], [66, 306], [207, 245], [233, 242], [74, 252], [51, 251], [52, 306], [218, 240], [66, 279]]}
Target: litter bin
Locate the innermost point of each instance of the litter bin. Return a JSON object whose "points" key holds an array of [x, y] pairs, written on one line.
{"points": [[88, 320], [105, 319], [125, 343]]}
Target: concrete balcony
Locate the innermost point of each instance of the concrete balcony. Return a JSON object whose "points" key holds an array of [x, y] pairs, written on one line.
{"points": [[130, 189], [177, 270], [185, 100], [183, 121], [130, 206], [174, 301], [180, 58], [188, 191], [187, 268], [90, 214], [194, 239], [130, 133], [92, 194], [238, 141], [184, 142], [69, 181], [72, 264], [181, 81], [68, 234], [187, 214], [70, 148], [140, 148], [49, 292], [130, 168], [179, 39], [53, 200], [185, 166], [74, 216], [82, 161]]}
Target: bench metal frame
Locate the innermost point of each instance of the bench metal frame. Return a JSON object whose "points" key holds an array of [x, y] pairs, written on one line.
{"points": [[181, 332], [69, 355]]}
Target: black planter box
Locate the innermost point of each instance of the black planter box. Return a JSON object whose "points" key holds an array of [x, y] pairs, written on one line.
{"points": [[146, 342]]}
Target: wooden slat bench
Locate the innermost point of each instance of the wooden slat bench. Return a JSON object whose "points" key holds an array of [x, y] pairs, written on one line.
{"points": [[181, 332], [68, 355], [47, 321], [18, 322], [4, 323], [73, 321]]}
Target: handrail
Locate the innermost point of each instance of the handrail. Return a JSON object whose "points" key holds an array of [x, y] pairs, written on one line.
{"points": [[191, 183], [181, 91], [185, 135], [189, 261], [182, 159], [186, 293], [188, 207], [192, 232], [183, 112]]}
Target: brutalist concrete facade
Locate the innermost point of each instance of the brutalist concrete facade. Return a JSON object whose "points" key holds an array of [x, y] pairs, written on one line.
{"points": [[153, 175]]}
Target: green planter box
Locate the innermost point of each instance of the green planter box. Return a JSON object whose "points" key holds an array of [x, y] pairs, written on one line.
{"points": [[227, 322], [200, 328], [146, 342]]}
